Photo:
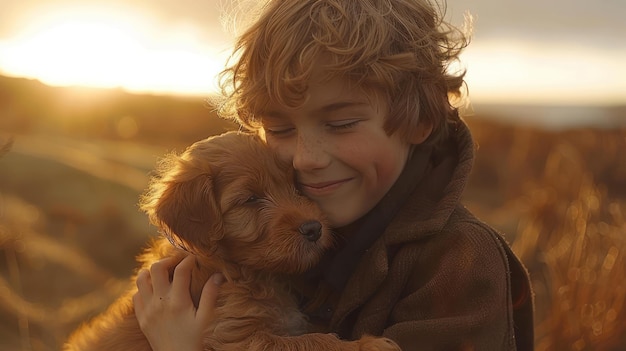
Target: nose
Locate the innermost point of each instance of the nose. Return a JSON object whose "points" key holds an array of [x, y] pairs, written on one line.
{"points": [[309, 154], [311, 230]]}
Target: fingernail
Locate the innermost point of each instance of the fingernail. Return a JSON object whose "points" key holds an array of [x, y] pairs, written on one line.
{"points": [[217, 278]]}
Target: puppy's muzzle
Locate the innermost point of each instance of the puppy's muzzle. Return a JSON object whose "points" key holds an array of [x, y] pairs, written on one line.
{"points": [[311, 230]]}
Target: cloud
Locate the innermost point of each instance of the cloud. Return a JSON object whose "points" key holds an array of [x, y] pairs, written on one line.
{"points": [[593, 23]]}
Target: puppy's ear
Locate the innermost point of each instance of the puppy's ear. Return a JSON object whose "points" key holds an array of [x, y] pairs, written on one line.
{"points": [[190, 214]]}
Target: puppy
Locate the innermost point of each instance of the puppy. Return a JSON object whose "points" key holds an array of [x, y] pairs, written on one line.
{"points": [[231, 202]]}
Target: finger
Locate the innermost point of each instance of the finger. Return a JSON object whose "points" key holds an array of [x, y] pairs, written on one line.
{"points": [[182, 277], [208, 298], [160, 275], [138, 305], [144, 284]]}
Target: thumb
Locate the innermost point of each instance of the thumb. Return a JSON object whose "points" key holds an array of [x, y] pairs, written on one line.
{"points": [[208, 298]]}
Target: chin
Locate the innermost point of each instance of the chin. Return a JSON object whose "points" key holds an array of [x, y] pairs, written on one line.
{"points": [[339, 221]]}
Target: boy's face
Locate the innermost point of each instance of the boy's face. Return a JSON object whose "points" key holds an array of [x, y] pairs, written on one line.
{"points": [[344, 159]]}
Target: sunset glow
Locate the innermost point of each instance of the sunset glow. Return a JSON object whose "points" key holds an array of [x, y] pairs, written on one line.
{"points": [[127, 48], [519, 72], [99, 48]]}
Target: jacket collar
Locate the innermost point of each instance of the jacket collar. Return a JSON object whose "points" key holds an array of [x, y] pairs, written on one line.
{"points": [[437, 195]]}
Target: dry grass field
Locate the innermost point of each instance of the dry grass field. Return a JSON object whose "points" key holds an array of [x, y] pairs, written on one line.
{"points": [[70, 228]]}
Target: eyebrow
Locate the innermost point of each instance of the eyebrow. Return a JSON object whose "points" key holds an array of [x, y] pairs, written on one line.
{"points": [[340, 105]]}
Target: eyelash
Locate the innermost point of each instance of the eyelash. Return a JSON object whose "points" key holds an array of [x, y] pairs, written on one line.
{"points": [[333, 127], [344, 126], [278, 133]]}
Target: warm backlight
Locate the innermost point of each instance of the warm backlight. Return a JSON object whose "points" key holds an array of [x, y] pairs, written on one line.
{"points": [[105, 48], [132, 49]]}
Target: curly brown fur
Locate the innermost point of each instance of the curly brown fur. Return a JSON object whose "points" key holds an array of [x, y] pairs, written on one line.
{"points": [[232, 203]]}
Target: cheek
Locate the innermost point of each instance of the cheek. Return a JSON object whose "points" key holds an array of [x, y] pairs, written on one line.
{"points": [[389, 163], [284, 150], [387, 171], [384, 174]]}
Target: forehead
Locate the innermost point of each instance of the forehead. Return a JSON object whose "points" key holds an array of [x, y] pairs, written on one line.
{"points": [[325, 93]]}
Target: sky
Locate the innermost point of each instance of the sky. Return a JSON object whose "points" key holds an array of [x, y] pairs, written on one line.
{"points": [[532, 51]]}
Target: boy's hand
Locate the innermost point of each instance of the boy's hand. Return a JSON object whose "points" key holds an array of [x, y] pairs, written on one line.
{"points": [[164, 309]]}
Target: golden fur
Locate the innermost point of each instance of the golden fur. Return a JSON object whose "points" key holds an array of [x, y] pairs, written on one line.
{"points": [[229, 200]]}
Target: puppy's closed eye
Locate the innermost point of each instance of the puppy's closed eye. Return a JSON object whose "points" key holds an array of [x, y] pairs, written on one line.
{"points": [[253, 199]]}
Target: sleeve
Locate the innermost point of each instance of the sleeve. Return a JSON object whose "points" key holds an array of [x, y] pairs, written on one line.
{"points": [[457, 295]]}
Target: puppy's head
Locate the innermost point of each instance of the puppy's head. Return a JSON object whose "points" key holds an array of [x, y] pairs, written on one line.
{"points": [[230, 196]]}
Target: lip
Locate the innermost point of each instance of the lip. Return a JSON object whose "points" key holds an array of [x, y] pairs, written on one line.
{"points": [[322, 188]]}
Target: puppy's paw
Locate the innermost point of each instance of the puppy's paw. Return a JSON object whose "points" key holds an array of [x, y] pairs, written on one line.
{"points": [[372, 343]]}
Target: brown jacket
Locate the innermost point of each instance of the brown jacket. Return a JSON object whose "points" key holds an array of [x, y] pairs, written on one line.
{"points": [[437, 278]]}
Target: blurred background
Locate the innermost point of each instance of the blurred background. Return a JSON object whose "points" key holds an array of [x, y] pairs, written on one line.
{"points": [[93, 92]]}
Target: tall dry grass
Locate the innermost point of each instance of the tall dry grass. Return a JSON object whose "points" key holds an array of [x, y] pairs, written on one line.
{"points": [[36, 269], [572, 239]]}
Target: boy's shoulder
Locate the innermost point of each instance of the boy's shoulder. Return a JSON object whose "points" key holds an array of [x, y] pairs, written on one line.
{"points": [[464, 225]]}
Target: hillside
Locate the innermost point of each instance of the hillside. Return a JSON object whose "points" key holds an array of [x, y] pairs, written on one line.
{"points": [[30, 107]]}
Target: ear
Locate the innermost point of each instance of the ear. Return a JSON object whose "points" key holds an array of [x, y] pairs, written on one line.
{"points": [[190, 213], [424, 128]]}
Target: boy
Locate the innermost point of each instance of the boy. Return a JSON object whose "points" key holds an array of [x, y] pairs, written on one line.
{"points": [[356, 95]]}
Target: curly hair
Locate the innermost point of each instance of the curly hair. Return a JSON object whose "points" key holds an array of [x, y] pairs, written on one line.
{"points": [[401, 49]]}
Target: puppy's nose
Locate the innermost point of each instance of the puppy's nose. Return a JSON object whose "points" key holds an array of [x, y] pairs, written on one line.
{"points": [[311, 230]]}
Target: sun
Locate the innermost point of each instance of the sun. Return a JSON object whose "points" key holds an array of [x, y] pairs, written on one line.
{"points": [[80, 51], [112, 48]]}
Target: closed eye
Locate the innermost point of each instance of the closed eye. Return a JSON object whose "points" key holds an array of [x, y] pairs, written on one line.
{"points": [[343, 125], [253, 199], [277, 132]]}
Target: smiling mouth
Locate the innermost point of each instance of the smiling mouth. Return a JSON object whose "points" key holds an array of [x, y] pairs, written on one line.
{"points": [[322, 188]]}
